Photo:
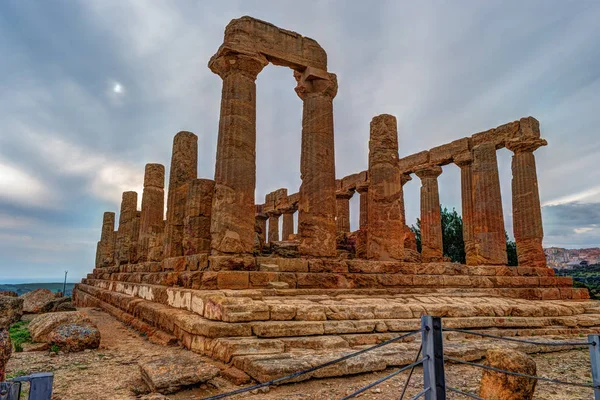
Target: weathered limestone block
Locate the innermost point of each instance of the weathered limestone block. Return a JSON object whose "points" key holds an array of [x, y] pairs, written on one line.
{"points": [[386, 225], [198, 209], [174, 373], [465, 162], [444, 154], [342, 219], [184, 168], [125, 234], [287, 228], [316, 208], [232, 219], [496, 385], [527, 211], [153, 208], [409, 164], [431, 220], [488, 219]]}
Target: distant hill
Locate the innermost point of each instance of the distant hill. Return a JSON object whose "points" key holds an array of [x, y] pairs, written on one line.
{"points": [[22, 288]]}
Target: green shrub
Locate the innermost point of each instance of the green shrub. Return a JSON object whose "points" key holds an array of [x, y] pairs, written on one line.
{"points": [[19, 335]]}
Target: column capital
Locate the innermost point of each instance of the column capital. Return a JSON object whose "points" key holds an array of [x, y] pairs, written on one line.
{"points": [[226, 62], [362, 187], [274, 213], [528, 145], [405, 178], [431, 171], [464, 159], [344, 194], [323, 83]]}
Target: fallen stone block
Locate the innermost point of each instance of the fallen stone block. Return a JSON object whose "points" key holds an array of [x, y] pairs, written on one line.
{"points": [[174, 373]]}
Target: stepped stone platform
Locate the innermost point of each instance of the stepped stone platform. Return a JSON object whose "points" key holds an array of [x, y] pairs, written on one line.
{"points": [[332, 307]]}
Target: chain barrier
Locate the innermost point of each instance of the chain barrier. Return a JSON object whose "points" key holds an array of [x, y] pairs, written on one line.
{"points": [[509, 339]]}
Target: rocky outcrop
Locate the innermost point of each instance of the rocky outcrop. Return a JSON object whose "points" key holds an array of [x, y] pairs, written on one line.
{"points": [[496, 385], [5, 352], [36, 301], [171, 374], [41, 326], [8, 293], [11, 310], [75, 337]]}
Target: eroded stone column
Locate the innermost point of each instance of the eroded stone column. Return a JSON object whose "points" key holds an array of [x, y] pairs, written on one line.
{"points": [[196, 223], [342, 220], [488, 219], [260, 227], [153, 208], [107, 240], [287, 228], [363, 191], [316, 208], [465, 163], [385, 236], [127, 216], [184, 169], [432, 246], [273, 226], [232, 225], [527, 211]]}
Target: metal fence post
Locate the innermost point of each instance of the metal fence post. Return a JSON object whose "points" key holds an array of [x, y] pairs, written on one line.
{"points": [[595, 361], [433, 366]]}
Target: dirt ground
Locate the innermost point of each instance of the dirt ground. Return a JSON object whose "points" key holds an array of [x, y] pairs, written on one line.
{"points": [[112, 372]]}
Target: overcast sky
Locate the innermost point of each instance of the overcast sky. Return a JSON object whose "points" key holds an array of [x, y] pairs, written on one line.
{"points": [[91, 91]]}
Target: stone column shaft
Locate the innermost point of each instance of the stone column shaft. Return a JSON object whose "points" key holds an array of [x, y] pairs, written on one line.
{"points": [[273, 227], [465, 163], [342, 219], [527, 212], [385, 235], [363, 191], [153, 208], [127, 217], [316, 208], [232, 224], [184, 169], [288, 225], [198, 210], [432, 246], [107, 240], [488, 219]]}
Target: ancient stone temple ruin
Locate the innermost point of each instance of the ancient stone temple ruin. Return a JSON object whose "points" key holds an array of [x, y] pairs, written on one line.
{"points": [[217, 275]]}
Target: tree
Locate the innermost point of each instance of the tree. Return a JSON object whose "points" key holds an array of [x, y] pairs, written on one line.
{"points": [[452, 236]]}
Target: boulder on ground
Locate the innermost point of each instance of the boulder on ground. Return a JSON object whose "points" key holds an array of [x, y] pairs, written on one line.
{"points": [[42, 325], [171, 374], [11, 311], [75, 337], [34, 302], [496, 385], [58, 304], [5, 352], [65, 306], [8, 293]]}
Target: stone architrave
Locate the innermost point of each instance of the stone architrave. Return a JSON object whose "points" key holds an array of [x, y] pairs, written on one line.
{"points": [[385, 235], [527, 212], [465, 163], [198, 207], [432, 246], [232, 224], [273, 226], [184, 169], [316, 208], [342, 219], [127, 217], [153, 208], [287, 228], [107, 240], [488, 219]]}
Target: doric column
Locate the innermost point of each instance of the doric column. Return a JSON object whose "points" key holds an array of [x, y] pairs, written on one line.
{"points": [[488, 219], [363, 191], [288, 225], [385, 236], [316, 208], [432, 246], [465, 163], [153, 207], [125, 232], [273, 226], [107, 240], [342, 220], [527, 211], [196, 222], [184, 168], [232, 224], [260, 227]]}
